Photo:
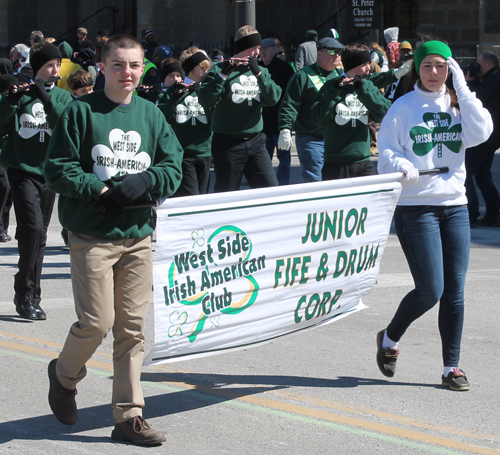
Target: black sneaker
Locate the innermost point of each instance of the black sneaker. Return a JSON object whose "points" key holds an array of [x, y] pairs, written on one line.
{"points": [[386, 358], [4, 237], [490, 219], [25, 306], [137, 431], [61, 400], [456, 380]]}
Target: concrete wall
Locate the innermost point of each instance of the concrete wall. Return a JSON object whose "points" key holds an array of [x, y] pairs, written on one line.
{"points": [[457, 21]]}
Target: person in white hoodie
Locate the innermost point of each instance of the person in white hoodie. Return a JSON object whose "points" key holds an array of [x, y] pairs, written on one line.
{"points": [[428, 128]]}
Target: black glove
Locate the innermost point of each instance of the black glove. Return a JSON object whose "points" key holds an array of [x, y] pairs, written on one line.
{"points": [[158, 89], [14, 98], [358, 82], [142, 91], [195, 88], [254, 66], [178, 90], [336, 82], [41, 92], [227, 67], [130, 188], [107, 206]]}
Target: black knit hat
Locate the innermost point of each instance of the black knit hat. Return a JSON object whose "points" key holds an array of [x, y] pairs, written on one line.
{"points": [[6, 80], [47, 53]]}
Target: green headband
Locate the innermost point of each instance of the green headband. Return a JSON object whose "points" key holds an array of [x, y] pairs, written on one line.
{"points": [[428, 48]]}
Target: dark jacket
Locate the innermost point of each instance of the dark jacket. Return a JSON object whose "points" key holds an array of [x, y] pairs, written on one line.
{"points": [[488, 91], [5, 66], [24, 74], [149, 48], [280, 72]]}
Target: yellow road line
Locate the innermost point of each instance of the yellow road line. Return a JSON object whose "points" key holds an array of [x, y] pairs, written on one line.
{"points": [[290, 408], [396, 418]]}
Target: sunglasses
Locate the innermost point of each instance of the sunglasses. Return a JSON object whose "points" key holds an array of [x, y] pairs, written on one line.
{"points": [[331, 51]]}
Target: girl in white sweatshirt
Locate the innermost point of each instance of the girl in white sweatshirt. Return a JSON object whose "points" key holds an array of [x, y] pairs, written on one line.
{"points": [[428, 128]]}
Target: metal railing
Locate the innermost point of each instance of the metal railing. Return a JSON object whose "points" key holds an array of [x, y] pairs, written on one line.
{"points": [[114, 9]]}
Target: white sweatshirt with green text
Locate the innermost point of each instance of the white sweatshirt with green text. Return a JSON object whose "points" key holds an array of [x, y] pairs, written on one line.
{"points": [[423, 128]]}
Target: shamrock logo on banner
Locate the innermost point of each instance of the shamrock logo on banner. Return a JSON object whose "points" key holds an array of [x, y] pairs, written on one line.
{"points": [[30, 125], [351, 110], [197, 237], [177, 320], [190, 108], [247, 89], [122, 158], [439, 132]]}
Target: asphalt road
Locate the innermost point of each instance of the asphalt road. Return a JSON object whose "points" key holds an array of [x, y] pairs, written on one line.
{"points": [[315, 393]]}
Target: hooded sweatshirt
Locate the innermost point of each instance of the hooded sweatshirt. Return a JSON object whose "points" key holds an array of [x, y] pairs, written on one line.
{"points": [[391, 38], [67, 66], [423, 128]]}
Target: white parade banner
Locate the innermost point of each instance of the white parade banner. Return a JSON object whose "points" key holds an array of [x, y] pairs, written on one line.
{"points": [[234, 270]]}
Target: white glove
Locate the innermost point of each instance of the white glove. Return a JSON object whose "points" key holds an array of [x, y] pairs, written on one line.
{"points": [[285, 140], [404, 69], [459, 83], [410, 172]]}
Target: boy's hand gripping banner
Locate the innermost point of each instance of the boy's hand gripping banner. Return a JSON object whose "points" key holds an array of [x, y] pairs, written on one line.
{"points": [[233, 270]]}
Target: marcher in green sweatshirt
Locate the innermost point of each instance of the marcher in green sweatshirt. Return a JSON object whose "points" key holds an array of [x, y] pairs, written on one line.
{"points": [[190, 122], [295, 110], [28, 115], [110, 149], [342, 108], [236, 90]]}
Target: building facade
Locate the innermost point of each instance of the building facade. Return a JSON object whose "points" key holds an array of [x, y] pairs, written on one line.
{"points": [[468, 25]]}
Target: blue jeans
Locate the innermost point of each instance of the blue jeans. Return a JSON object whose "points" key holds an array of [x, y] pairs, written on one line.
{"points": [[311, 151], [436, 243], [284, 157]]}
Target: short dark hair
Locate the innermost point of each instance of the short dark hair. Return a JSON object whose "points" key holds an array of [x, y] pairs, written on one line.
{"points": [[120, 42], [353, 48], [79, 79], [489, 56], [36, 36]]}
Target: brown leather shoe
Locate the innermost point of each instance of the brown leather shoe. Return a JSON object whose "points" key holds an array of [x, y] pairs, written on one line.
{"points": [[61, 400], [137, 431]]}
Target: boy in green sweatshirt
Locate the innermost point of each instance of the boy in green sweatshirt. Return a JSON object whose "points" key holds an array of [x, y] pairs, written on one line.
{"points": [[28, 115], [237, 89], [341, 108], [190, 122], [110, 149]]}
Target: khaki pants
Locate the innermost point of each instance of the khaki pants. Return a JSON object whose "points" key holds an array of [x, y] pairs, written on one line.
{"points": [[111, 281]]}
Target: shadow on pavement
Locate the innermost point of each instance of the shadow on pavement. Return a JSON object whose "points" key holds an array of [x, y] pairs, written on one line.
{"points": [[215, 383], [208, 390], [47, 427]]}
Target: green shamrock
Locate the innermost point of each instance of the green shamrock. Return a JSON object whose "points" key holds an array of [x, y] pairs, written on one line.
{"points": [[177, 320], [198, 237], [439, 132]]}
